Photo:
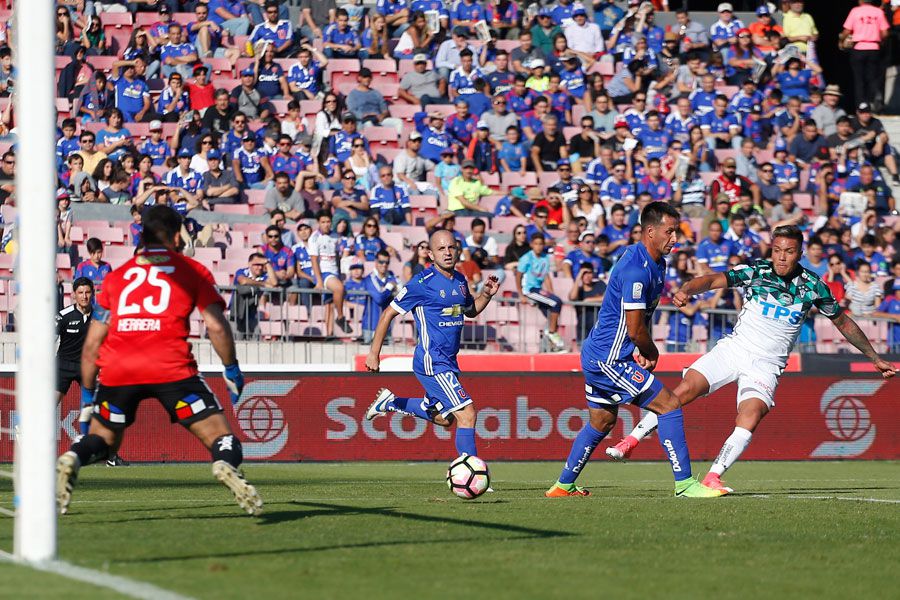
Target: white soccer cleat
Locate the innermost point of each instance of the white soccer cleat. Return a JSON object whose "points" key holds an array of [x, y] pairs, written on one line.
{"points": [[379, 407], [615, 454], [67, 467], [246, 495]]}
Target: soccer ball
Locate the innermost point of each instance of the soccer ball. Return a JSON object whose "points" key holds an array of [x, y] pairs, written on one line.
{"points": [[468, 477]]}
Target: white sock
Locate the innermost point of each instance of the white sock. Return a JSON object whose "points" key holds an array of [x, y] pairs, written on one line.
{"points": [[736, 443], [645, 427]]}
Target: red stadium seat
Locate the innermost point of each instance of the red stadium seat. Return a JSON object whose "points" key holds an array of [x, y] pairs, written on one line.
{"points": [[516, 179], [146, 19], [407, 112], [219, 67], [183, 17], [232, 209], [103, 63], [381, 136], [117, 20]]}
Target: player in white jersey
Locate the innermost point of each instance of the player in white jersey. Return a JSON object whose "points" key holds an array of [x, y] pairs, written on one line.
{"points": [[324, 249], [778, 295]]}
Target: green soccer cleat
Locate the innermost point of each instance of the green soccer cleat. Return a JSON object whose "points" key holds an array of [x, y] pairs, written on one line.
{"points": [[691, 488]]}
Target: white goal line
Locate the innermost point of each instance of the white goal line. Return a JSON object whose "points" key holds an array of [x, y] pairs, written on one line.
{"points": [[122, 585]]}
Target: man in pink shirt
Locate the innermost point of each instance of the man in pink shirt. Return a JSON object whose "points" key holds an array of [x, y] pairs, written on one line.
{"points": [[867, 27]]}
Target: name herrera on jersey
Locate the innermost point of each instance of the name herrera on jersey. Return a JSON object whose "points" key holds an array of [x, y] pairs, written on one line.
{"points": [[138, 325]]}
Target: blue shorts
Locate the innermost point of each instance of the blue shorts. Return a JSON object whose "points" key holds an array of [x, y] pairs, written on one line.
{"points": [[444, 394], [620, 383]]}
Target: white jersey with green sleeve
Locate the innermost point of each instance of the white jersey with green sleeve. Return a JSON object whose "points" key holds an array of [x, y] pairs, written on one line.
{"points": [[775, 308]]}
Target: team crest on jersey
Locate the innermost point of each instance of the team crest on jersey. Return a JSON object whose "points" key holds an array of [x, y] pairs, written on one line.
{"points": [[462, 289], [785, 298], [637, 377], [443, 294]]}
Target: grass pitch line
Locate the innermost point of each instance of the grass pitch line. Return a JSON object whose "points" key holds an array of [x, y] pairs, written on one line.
{"points": [[122, 585]]}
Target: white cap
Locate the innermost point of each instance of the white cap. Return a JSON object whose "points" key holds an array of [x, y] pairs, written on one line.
{"points": [[154, 125], [482, 125], [535, 63], [725, 6]]}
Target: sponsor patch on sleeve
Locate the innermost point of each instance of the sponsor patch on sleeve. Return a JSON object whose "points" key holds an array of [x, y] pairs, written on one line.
{"points": [[636, 290]]}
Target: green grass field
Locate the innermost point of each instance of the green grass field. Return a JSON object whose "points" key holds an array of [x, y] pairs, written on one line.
{"points": [[366, 531]]}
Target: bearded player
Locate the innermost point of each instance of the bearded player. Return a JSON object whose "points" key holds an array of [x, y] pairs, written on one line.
{"points": [[778, 295], [612, 374], [138, 342]]}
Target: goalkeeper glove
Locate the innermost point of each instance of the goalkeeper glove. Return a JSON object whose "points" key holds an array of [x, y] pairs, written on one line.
{"points": [[234, 379]]}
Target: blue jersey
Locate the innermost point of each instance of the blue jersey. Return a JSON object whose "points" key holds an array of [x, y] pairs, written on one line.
{"points": [[702, 102], [461, 128], [462, 82], [678, 128], [596, 172], [268, 82], [576, 258], [286, 164], [235, 7], [635, 283], [656, 143], [190, 182], [390, 7], [467, 12], [387, 199], [369, 246], [282, 32], [438, 304], [795, 86], [433, 143], [130, 96], [513, 154], [613, 191], [521, 104], [157, 151], [251, 167], [65, 147], [715, 255], [713, 123], [96, 273], [302, 259], [659, 190], [306, 78], [377, 300], [573, 81], [500, 81], [785, 172], [340, 144]]}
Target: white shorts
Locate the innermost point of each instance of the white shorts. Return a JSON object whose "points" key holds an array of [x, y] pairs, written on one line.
{"points": [[756, 376]]}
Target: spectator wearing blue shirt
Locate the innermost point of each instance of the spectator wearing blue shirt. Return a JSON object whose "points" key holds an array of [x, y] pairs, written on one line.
{"points": [[67, 144], [890, 309], [584, 255], [654, 184], [572, 77], [869, 254], [271, 81], [435, 138], [461, 81], [794, 81], [173, 100], [466, 13], [720, 128], [95, 268], [275, 30], [746, 243], [654, 139], [617, 188], [703, 98], [156, 147], [616, 232], [285, 161], [461, 126], [746, 99], [389, 202], [380, 285], [713, 251], [230, 15], [681, 120], [96, 99], [132, 94], [186, 179], [248, 166], [513, 153], [535, 286], [305, 77], [787, 175], [724, 31], [340, 41], [178, 54], [396, 15], [114, 140]]}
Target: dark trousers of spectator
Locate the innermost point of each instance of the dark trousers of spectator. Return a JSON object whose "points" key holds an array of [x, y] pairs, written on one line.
{"points": [[866, 76], [426, 100]]}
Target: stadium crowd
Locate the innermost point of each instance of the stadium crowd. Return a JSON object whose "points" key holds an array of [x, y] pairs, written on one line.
{"points": [[535, 133]]}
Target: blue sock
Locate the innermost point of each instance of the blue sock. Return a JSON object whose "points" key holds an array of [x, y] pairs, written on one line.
{"points": [[671, 436], [582, 448], [465, 441], [84, 427], [409, 406]]}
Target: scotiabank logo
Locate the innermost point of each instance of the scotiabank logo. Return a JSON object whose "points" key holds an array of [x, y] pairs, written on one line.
{"points": [[261, 419], [847, 418], [524, 422]]}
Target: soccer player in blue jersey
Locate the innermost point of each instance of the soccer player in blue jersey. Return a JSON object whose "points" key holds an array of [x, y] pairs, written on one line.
{"points": [[438, 298], [614, 376]]}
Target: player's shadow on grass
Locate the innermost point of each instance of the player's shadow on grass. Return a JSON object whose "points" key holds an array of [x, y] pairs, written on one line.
{"points": [[831, 490], [321, 509]]}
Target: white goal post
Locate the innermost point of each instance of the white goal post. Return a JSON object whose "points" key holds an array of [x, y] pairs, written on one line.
{"points": [[35, 120]]}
